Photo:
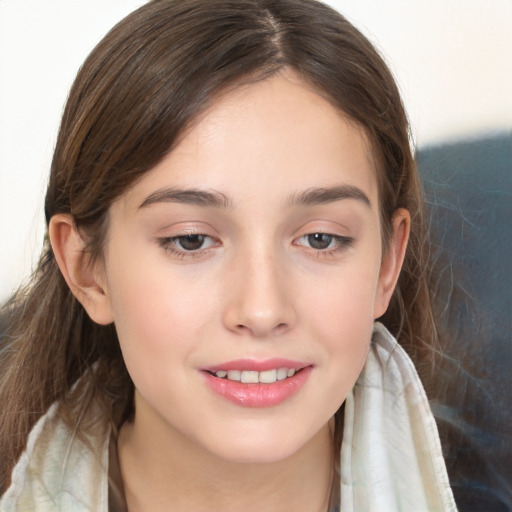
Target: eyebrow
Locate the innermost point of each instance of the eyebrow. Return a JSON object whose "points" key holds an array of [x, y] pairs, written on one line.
{"points": [[211, 198], [314, 196]]}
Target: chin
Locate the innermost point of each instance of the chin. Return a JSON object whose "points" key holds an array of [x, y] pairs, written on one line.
{"points": [[258, 454], [261, 446]]}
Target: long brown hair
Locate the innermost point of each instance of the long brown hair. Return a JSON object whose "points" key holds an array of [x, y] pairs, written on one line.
{"points": [[137, 92]]}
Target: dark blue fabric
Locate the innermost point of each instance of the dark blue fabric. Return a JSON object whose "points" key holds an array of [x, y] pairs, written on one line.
{"points": [[469, 189]]}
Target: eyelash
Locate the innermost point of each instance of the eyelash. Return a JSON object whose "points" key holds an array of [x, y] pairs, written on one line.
{"points": [[342, 243], [169, 244]]}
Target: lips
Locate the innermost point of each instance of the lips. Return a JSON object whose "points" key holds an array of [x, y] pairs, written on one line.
{"points": [[251, 383]]}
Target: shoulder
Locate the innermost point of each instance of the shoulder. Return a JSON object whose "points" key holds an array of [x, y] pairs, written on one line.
{"points": [[61, 470]]}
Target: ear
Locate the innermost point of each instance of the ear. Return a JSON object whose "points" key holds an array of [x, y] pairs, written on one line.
{"points": [[392, 261], [84, 278]]}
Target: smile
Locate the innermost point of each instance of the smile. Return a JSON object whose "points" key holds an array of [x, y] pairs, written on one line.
{"points": [[249, 383], [255, 377]]}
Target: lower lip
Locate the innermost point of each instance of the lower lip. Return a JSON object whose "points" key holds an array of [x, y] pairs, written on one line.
{"points": [[258, 395]]}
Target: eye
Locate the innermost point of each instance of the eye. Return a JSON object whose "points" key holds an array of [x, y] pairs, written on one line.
{"points": [[190, 243], [319, 240], [325, 242]]}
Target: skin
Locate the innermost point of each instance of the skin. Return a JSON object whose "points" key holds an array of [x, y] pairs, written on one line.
{"points": [[256, 289]]}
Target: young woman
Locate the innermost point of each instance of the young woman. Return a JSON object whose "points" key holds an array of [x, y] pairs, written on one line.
{"points": [[232, 205]]}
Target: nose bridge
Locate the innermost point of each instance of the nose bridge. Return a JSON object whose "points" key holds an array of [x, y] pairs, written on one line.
{"points": [[259, 303]]}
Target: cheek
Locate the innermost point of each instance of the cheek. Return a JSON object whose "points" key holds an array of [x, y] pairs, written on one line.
{"points": [[158, 332], [156, 312], [341, 320], [344, 299], [347, 344], [345, 324]]}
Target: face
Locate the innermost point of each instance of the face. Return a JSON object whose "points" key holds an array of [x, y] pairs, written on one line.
{"points": [[243, 274]]}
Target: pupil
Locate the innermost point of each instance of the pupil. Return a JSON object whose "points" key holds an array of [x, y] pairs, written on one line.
{"points": [[319, 240], [191, 242]]}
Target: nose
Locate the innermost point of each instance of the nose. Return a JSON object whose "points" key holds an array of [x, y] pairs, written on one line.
{"points": [[260, 302]]}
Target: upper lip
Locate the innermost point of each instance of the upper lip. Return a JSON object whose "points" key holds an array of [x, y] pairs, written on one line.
{"points": [[257, 366]]}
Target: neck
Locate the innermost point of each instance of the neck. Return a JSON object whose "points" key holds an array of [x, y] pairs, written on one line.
{"points": [[162, 472]]}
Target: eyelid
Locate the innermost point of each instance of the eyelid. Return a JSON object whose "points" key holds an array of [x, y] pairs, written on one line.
{"points": [[341, 239], [324, 226], [340, 243], [169, 243]]}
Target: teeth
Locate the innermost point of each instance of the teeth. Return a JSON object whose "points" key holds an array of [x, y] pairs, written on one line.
{"points": [[249, 377], [268, 377], [282, 373], [234, 375], [253, 377]]}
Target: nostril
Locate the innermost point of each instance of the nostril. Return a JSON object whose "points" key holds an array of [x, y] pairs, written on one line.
{"points": [[281, 327]]}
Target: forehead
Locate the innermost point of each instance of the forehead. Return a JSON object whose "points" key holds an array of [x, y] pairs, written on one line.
{"points": [[264, 138]]}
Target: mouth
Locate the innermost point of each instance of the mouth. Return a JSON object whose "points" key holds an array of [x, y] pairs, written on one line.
{"points": [[258, 384], [254, 377]]}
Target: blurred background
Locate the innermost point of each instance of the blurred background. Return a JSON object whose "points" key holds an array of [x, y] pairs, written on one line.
{"points": [[453, 63]]}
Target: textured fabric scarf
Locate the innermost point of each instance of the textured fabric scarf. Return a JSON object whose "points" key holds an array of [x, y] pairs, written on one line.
{"points": [[391, 457]]}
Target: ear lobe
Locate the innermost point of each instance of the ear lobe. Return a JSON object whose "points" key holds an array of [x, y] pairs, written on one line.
{"points": [[83, 278], [392, 261]]}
